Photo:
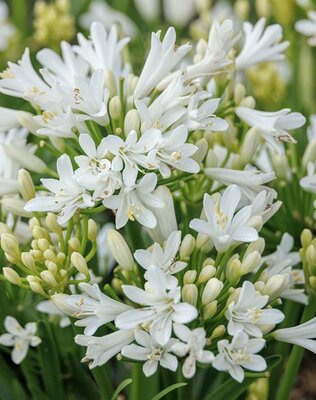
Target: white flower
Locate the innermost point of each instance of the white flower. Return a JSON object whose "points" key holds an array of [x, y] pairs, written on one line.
{"points": [[261, 45], [178, 12], [239, 354], [308, 182], [311, 130], [250, 181], [94, 172], [67, 196], [161, 306], [222, 226], [131, 155], [162, 57], [307, 27], [133, 202], [273, 126], [151, 352], [48, 307], [19, 338], [92, 307], [165, 259], [173, 151], [7, 30], [101, 349], [104, 49], [108, 16], [247, 313], [193, 343]]}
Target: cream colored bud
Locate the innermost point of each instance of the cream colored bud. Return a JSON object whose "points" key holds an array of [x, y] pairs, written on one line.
{"points": [[218, 332], [37, 288], [210, 310], [74, 244], [242, 8], [233, 271], [15, 206], [202, 149], [28, 261], [187, 247], [250, 262], [50, 255], [63, 273], [211, 159], [40, 233], [259, 285], [80, 264], [248, 102], [206, 273], [26, 185], [263, 8], [281, 166], [29, 161], [276, 285], [212, 290], [61, 257], [309, 153], [27, 121], [207, 247], [37, 255], [115, 108], [43, 244], [120, 250], [53, 225], [131, 122], [239, 93], [208, 261], [109, 82], [58, 143], [312, 281], [201, 240], [306, 237], [189, 276], [49, 278], [52, 267], [130, 84], [33, 222], [10, 246], [257, 245], [190, 294], [117, 285], [310, 254], [249, 145], [4, 228], [92, 230], [12, 276]]}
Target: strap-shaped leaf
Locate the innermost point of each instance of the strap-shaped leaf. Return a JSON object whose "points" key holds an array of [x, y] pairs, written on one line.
{"points": [[169, 389]]}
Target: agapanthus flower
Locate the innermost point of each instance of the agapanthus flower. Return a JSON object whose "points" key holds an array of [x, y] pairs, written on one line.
{"points": [[307, 27]]}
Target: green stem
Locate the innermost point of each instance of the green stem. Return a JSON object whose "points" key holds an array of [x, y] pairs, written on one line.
{"points": [[296, 356], [136, 377]]}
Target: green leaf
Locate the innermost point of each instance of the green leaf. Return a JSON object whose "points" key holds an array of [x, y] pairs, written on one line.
{"points": [[169, 389], [231, 389], [10, 387], [120, 387], [49, 362]]}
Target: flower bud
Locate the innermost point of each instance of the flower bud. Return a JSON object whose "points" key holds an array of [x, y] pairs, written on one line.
{"points": [[202, 148], [74, 244], [309, 153], [306, 237], [310, 254], [211, 159], [12, 276], [211, 291], [239, 93], [4, 228], [61, 257], [43, 244], [80, 264], [92, 230], [27, 160], [40, 233], [37, 288], [10, 246], [249, 145], [206, 273], [117, 285], [250, 262], [115, 108], [27, 121], [58, 143], [233, 270], [312, 281], [248, 102], [189, 276], [15, 206], [33, 222], [258, 245], [201, 240], [53, 225], [276, 285], [26, 185], [190, 294], [49, 255], [210, 310], [120, 250], [49, 278], [52, 267], [187, 247], [131, 122], [219, 331], [109, 82]]}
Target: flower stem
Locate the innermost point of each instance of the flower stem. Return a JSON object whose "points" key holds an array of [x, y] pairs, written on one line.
{"points": [[296, 356]]}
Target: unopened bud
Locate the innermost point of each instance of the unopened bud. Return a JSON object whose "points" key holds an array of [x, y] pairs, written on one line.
{"points": [[258, 245], [310, 254], [309, 153], [10, 246], [120, 250], [61, 257], [53, 225], [80, 264], [74, 244], [249, 145], [306, 237], [211, 291], [187, 247], [248, 102], [131, 122], [189, 276], [109, 82], [210, 310], [219, 331], [43, 244], [206, 273], [58, 143], [233, 270], [115, 108], [239, 93], [31, 162], [12, 276], [26, 185], [250, 262], [52, 267], [37, 288], [117, 285], [15, 206], [28, 261], [211, 159], [201, 240], [92, 230], [190, 294], [275, 286], [202, 148], [50, 255], [4, 228], [312, 281], [49, 278]]}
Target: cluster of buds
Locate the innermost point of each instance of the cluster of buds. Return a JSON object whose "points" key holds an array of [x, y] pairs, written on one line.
{"points": [[308, 257], [54, 258]]}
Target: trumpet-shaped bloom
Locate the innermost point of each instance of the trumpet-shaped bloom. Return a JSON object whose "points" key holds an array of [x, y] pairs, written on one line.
{"points": [[261, 45], [223, 224], [147, 349], [67, 196], [19, 338], [248, 313], [273, 126], [161, 306], [192, 344], [238, 354]]}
